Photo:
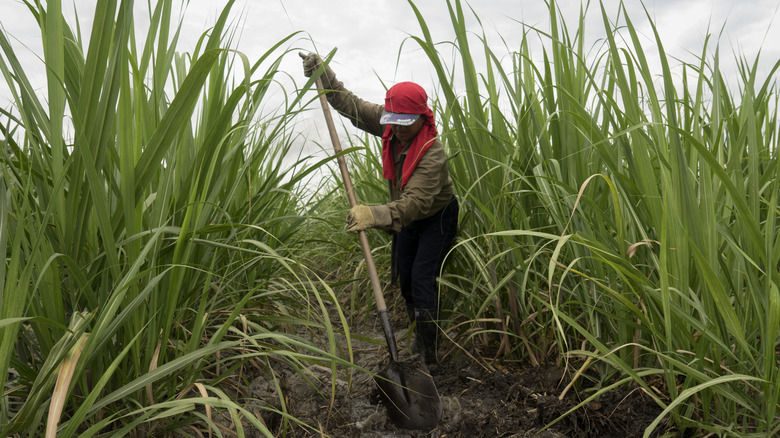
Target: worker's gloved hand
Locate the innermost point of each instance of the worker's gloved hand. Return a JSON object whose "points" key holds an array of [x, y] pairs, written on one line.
{"points": [[311, 62], [359, 218]]}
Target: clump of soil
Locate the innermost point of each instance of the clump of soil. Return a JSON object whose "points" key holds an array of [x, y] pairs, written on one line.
{"points": [[478, 400]]}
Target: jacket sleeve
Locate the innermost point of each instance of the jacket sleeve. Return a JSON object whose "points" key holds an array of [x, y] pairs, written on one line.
{"points": [[364, 115]]}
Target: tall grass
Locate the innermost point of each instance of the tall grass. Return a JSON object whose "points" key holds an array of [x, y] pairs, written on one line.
{"points": [[618, 219], [148, 230]]}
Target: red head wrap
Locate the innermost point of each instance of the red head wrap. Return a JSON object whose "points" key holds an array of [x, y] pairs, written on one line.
{"points": [[407, 98]]}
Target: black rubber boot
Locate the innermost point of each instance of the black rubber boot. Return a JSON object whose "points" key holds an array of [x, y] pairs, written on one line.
{"points": [[410, 312], [426, 334]]}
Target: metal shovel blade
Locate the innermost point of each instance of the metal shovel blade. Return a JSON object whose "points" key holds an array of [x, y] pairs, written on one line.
{"points": [[410, 396]]}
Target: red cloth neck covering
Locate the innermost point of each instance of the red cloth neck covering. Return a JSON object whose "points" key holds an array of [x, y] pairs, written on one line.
{"points": [[407, 98]]}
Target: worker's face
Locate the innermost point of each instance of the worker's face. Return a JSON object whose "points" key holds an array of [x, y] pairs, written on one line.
{"points": [[405, 134]]}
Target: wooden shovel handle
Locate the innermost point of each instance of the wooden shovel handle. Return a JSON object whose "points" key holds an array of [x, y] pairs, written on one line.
{"points": [[334, 138]]}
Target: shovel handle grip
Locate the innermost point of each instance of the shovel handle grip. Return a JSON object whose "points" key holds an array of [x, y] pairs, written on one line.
{"points": [[381, 306]]}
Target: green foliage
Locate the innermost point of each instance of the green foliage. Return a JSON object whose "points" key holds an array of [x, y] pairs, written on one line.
{"points": [[617, 218], [145, 222], [619, 214]]}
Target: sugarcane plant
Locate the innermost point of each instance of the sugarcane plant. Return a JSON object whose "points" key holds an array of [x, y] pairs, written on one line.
{"points": [[148, 230], [620, 214]]}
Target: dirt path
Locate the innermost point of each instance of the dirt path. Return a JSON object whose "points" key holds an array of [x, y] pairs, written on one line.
{"points": [[479, 400]]}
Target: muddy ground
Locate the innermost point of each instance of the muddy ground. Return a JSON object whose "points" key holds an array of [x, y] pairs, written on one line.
{"points": [[479, 399]]}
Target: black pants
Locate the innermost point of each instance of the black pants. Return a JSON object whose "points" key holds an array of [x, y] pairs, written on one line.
{"points": [[421, 248]]}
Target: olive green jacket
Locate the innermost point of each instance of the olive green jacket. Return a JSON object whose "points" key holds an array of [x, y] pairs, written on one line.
{"points": [[427, 191]]}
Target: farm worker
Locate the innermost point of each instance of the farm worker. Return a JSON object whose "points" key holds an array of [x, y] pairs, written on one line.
{"points": [[423, 211]]}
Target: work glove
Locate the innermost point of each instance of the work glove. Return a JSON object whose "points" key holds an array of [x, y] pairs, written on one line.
{"points": [[311, 62], [359, 218]]}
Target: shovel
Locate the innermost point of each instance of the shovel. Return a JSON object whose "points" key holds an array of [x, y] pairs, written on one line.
{"points": [[408, 390]]}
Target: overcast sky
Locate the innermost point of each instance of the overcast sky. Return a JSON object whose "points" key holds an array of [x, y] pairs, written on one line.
{"points": [[369, 34]]}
